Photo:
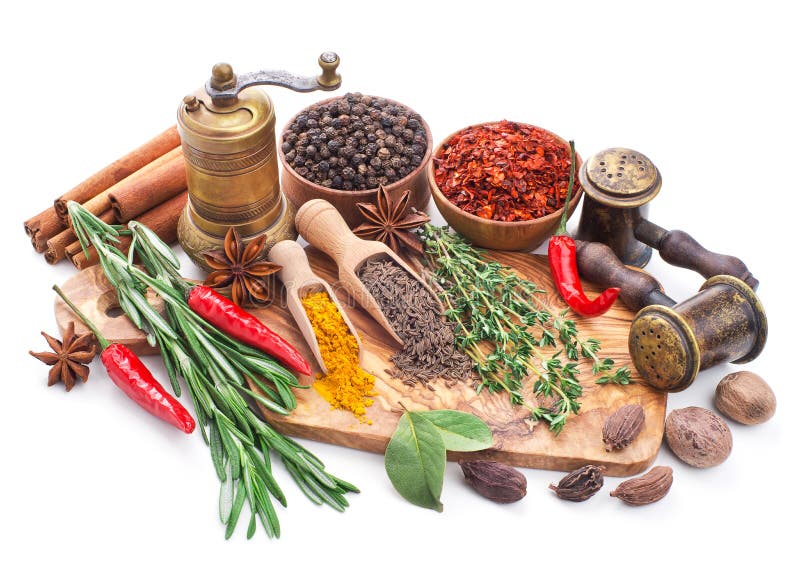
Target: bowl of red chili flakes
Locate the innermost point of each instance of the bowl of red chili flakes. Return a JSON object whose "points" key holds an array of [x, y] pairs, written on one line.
{"points": [[503, 184]]}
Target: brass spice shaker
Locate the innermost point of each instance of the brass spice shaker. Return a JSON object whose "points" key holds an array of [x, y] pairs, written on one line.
{"points": [[724, 322], [227, 133]]}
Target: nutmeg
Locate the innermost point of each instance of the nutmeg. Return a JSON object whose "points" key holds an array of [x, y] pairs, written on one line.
{"points": [[745, 398], [698, 436]]}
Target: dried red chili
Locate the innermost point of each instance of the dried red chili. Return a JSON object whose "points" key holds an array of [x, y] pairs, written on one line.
{"points": [[504, 171]]}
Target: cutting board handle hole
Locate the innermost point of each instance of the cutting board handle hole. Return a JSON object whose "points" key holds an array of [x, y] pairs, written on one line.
{"points": [[114, 311], [108, 304]]}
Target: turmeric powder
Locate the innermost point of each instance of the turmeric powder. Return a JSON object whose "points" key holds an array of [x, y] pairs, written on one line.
{"points": [[346, 385]]}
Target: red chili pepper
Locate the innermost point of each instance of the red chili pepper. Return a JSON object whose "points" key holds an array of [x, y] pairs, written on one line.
{"points": [[132, 377], [564, 266], [233, 320]]}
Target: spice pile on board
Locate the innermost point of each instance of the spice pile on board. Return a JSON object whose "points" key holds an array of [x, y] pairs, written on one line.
{"points": [[429, 352], [346, 385], [493, 329]]}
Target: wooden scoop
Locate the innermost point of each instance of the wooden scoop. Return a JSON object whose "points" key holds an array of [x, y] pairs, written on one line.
{"points": [[300, 281], [323, 227]]}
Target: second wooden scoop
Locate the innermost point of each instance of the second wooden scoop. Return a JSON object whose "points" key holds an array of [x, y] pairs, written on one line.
{"points": [[322, 226], [300, 281]]}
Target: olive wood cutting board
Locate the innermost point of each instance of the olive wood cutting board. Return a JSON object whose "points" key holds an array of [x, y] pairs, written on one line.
{"points": [[517, 440]]}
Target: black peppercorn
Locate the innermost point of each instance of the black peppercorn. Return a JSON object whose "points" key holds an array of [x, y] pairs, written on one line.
{"points": [[355, 142]]}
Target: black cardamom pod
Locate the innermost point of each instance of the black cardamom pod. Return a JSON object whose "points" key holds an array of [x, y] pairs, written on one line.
{"points": [[495, 481], [580, 484]]}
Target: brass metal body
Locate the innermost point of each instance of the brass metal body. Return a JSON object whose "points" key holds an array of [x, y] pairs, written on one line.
{"points": [[724, 322], [619, 183], [231, 163], [227, 133]]}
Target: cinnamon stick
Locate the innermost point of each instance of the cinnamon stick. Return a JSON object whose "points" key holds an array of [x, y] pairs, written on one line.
{"points": [[138, 180], [142, 190], [43, 226], [58, 244], [163, 220], [119, 170]]}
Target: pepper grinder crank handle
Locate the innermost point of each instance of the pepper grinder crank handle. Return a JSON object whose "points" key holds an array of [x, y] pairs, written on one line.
{"points": [[619, 184], [225, 85], [597, 263]]}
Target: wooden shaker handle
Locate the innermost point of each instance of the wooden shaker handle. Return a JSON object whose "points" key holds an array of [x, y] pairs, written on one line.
{"points": [[292, 258], [597, 263], [678, 248], [322, 226]]}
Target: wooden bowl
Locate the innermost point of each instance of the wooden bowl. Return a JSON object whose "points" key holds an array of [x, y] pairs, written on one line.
{"points": [[300, 190], [522, 235]]}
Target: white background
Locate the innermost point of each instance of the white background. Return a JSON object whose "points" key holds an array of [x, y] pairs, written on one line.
{"points": [[706, 89]]}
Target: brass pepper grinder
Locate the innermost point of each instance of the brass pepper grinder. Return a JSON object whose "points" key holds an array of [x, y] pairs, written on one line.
{"points": [[227, 133]]}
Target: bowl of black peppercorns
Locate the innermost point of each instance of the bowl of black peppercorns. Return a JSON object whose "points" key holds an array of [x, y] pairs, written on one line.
{"points": [[342, 149]]}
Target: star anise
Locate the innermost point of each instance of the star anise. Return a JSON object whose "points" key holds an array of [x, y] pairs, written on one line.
{"points": [[68, 359], [391, 222], [242, 268]]}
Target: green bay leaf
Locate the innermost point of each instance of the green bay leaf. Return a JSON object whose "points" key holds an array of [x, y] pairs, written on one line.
{"points": [[460, 431], [415, 461]]}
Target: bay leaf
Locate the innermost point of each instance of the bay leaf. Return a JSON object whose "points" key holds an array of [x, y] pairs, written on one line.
{"points": [[460, 431], [415, 460]]}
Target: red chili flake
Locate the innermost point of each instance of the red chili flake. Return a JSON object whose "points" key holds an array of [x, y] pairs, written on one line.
{"points": [[504, 171]]}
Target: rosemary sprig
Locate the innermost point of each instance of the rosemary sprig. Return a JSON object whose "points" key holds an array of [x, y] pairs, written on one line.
{"points": [[216, 369], [490, 305]]}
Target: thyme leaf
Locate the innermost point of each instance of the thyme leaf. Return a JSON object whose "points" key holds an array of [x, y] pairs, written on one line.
{"points": [[502, 323]]}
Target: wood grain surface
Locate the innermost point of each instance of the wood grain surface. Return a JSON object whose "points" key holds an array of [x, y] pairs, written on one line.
{"points": [[517, 440]]}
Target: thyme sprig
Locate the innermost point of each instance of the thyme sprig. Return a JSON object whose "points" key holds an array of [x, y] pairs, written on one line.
{"points": [[621, 377], [491, 306], [215, 369]]}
